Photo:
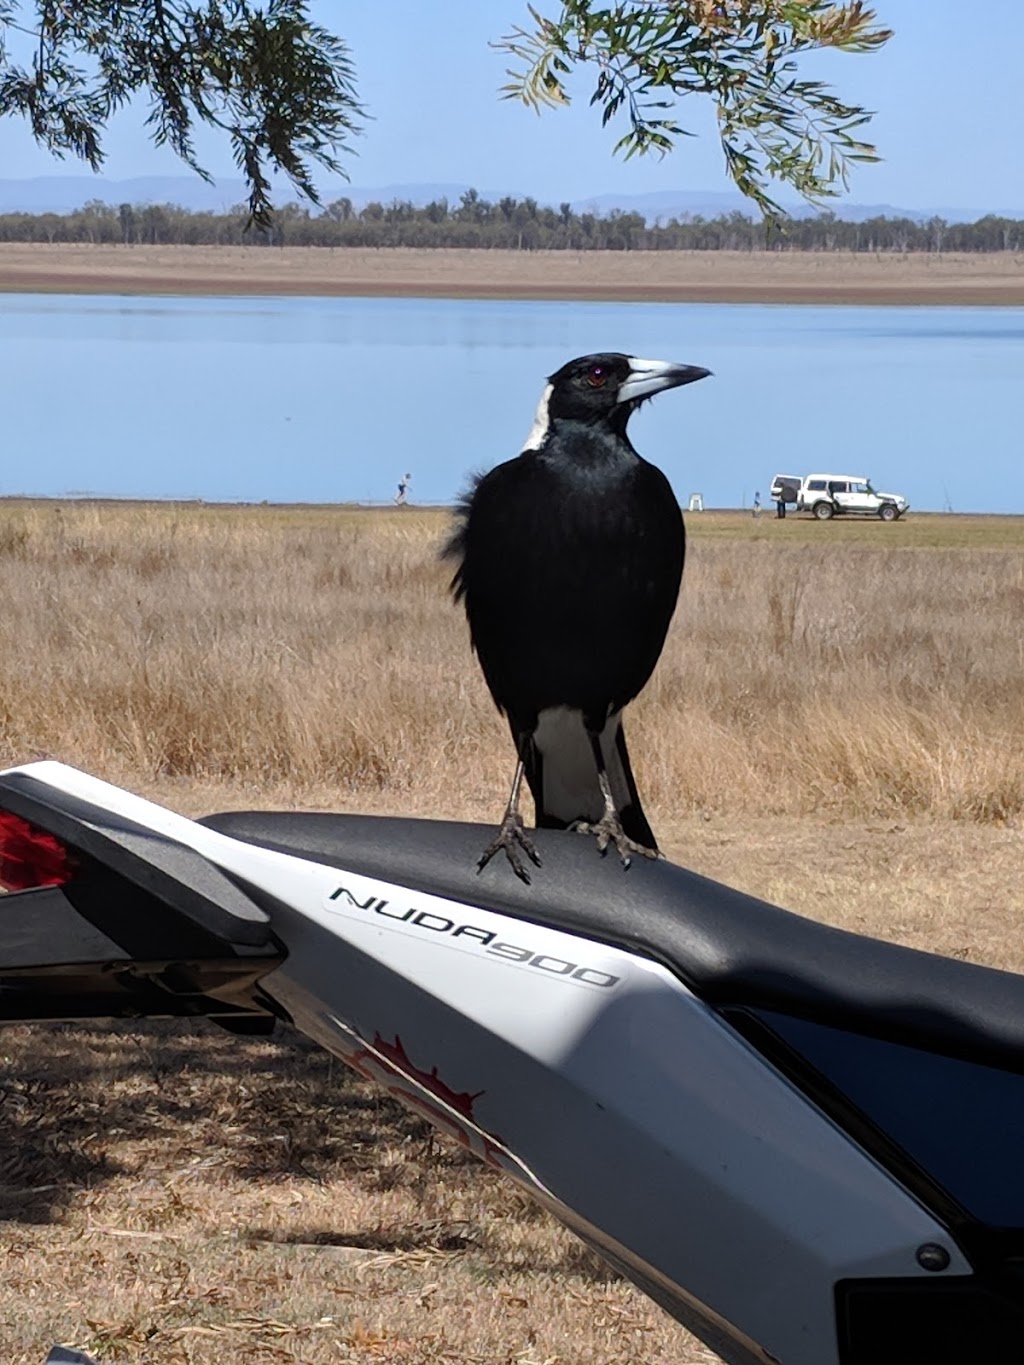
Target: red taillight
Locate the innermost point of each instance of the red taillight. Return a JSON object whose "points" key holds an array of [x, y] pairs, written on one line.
{"points": [[30, 857]]}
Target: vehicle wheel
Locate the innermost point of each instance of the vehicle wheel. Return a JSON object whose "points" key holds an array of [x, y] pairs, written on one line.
{"points": [[823, 511], [888, 512]]}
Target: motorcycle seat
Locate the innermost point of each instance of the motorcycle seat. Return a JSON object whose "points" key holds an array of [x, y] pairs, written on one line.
{"points": [[731, 949]]}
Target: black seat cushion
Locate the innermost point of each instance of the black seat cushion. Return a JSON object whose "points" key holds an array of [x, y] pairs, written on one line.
{"points": [[729, 948]]}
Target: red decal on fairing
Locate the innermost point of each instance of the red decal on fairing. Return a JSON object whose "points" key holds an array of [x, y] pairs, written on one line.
{"points": [[460, 1100], [388, 1065]]}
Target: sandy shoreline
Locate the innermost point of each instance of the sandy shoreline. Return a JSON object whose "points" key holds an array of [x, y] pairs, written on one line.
{"points": [[663, 276]]}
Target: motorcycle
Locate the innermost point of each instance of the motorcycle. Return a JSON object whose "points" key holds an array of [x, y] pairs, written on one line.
{"points": [[804, 1144]]}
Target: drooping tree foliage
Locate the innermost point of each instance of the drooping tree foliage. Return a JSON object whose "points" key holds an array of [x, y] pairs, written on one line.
{"points": [[650, 54], [282, 88]]}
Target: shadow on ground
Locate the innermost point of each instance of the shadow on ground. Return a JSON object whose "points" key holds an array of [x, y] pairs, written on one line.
{"points": [[72, 1098], [81, 1107]]}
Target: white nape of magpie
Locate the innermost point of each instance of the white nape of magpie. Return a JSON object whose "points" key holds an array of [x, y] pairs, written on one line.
{"points": [[569, 563]]}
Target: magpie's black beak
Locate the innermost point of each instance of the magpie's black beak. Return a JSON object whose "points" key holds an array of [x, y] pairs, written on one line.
{"points": [[647, 377]]}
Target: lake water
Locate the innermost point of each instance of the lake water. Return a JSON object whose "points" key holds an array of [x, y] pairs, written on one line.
{"points": [[332, 399]]}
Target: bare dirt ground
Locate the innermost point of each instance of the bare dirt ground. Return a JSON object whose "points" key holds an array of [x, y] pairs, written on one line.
{"points": [[173, 1196], [669, 276]]}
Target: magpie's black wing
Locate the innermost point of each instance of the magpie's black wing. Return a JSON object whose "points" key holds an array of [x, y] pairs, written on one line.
{"points": [[569, 584], [503, 544]]}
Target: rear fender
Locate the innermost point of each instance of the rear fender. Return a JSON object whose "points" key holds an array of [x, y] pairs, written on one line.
{"points": [[134, 923]]}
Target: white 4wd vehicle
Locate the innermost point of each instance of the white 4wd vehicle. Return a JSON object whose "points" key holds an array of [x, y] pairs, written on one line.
{"points": [[832, 495]]}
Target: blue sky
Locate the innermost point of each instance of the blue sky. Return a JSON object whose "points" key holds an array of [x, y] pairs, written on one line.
{"points": [[945, 88]]}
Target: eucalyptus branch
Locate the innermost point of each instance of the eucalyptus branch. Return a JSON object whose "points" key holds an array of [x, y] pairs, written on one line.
{"points": [[281, 87], [649, 54]]}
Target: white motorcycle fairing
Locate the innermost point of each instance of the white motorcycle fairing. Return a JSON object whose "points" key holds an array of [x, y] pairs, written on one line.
{"points": [[759, 1120]]}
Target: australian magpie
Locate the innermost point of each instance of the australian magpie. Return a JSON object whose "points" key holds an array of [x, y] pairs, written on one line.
{"points": [[569, 563]]}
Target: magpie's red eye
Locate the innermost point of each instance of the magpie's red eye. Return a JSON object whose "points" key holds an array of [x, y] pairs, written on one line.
{"points": [[597, 376]]}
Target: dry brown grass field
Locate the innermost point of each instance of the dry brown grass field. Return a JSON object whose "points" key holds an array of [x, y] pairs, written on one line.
{"points": [[837, 724]]}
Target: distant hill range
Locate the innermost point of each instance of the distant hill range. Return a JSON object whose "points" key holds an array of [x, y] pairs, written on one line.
{"points": [[64, 193]]}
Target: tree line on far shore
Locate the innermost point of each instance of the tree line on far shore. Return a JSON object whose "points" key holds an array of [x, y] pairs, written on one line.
{"points": [[508, 224]]}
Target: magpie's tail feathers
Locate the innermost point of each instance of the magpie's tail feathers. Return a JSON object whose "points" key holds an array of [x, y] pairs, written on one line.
{"points": [[560, 770], [631, 814]]}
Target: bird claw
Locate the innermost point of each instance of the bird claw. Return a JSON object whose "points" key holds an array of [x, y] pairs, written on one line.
{"points": [[511, 837], [608, 830]]}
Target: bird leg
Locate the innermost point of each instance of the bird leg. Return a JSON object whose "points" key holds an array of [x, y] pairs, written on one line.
{"points": [[609, 828], [512, 835]]}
